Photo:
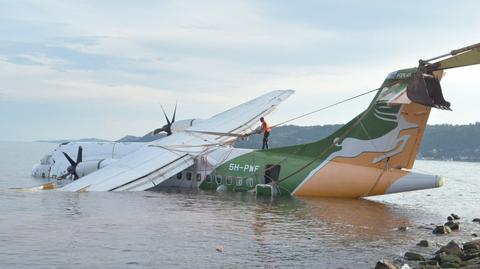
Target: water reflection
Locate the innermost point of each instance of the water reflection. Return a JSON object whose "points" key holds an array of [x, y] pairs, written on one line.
{"points": [[358, 218]]}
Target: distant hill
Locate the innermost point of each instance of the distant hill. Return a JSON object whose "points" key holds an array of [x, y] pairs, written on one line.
{"points": [[451, 142], [146, 138], [129, 138], [440, 142], [59, 141]]}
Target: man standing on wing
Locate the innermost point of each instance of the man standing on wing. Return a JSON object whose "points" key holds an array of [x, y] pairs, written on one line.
{"points": [[265, 129]]}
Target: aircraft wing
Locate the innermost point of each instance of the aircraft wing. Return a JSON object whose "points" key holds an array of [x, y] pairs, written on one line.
{"points": [[244, 117], [161, 159]]}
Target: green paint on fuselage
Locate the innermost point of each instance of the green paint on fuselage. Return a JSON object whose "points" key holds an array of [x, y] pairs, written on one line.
{"points": [[296, 162]]}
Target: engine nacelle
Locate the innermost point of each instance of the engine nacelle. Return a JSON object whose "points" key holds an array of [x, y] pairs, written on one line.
{"points": [[88, 167], [182, 125]]}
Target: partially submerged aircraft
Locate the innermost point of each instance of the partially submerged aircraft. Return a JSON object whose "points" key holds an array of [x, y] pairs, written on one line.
{"points": [[373, 154], [89, 157], [59, 164]]}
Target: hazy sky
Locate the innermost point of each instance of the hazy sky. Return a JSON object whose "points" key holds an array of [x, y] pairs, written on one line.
{"points": [[74, 69]]}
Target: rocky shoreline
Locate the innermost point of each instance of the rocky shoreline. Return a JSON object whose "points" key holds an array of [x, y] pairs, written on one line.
{"points": [[428, 255]]}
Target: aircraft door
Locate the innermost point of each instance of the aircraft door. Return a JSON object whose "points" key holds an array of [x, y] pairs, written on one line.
{"points": [[272, 173]]}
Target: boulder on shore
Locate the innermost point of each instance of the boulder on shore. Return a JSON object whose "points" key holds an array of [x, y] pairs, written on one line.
{"points": [[442, 229], [412, 256], [452, 248], [423, 243], [455, 216], [472, 246], [385, 264], [452, 225], [448, 261]]}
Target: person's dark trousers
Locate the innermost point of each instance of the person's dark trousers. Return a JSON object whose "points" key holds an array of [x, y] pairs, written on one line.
{"points": [[265, 140]]}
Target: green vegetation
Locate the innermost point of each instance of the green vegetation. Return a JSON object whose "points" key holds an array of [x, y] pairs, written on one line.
{"points": [[451, 142]]}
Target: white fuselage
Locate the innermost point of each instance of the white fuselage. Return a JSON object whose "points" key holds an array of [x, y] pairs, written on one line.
{"points": [[202, 168], [96, 155]]}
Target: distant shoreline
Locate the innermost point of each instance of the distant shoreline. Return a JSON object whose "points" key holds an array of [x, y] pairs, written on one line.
{"points": [[443, 142]]}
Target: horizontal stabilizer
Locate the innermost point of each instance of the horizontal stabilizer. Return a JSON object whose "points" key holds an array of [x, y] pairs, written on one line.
{"points": [[415, 181]]}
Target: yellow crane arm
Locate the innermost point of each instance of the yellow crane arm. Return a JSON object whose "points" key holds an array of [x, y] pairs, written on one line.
{"points": [[462, 57]]}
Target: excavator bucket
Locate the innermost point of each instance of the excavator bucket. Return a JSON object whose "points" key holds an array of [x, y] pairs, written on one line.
{"points": [[425, 89]]}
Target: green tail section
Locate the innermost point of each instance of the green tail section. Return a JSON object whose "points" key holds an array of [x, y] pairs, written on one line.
{"points": [[383, 131]]}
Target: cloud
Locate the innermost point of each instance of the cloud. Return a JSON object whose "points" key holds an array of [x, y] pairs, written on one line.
{"points": [[212, 55]]}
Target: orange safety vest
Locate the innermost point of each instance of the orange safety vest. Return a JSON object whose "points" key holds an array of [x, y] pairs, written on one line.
{"points": [[265, 127]]}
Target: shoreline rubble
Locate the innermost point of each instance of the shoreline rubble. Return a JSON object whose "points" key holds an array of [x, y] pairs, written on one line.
{"points": [[455, 254]]}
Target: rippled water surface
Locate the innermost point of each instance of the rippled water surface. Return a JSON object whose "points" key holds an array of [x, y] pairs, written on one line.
{"points": [[174, 229]]}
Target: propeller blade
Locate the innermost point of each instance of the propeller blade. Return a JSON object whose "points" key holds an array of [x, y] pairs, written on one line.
{"points": [[63, 176], [72, 163], [174, 112], [165, 114], [71, 170], [79, 154], [158, 130]]}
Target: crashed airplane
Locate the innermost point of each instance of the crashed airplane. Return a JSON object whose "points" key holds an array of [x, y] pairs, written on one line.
{"points": [[373, 154]]}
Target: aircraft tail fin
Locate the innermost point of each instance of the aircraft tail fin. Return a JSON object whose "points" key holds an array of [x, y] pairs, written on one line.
{"points": [[387, 133]]}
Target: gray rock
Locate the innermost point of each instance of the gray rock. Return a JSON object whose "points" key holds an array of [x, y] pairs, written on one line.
{"points": [[476, 220], [429, 264], [448, 261], [412, 256], [471, 255], [452, 225], [442, 229], [385, 264], [423, 243], [455, 216], [450, 265], [452, 248], [475, 235], [474, 263], [472, 246]]}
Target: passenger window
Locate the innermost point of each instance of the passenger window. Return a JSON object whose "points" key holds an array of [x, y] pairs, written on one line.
{"points": [[219, 180], [189, 175], [239, 181], [199, 177], [229, 180], [179, 175], [208, 178]]}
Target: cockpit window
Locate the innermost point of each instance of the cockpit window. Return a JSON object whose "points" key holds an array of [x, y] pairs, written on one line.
{"points": [[47, 159]]}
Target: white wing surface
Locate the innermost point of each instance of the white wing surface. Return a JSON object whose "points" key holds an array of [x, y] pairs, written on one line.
{"points": [[161, 159]]}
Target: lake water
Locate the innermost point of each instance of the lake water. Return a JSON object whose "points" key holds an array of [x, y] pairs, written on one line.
{"points": [[174, 229]]}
